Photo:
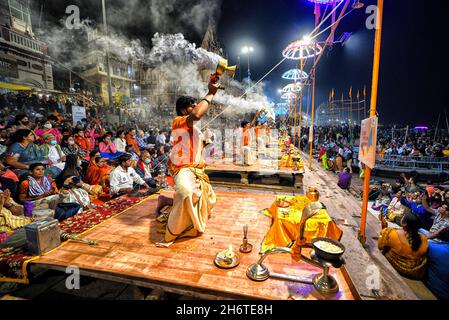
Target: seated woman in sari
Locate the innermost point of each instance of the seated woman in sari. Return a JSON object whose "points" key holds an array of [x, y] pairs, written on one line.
{"points": [[11, 214], [107, 148], [37, 186], [23, 152], [324, 161], [98, 172], [406, 248]]}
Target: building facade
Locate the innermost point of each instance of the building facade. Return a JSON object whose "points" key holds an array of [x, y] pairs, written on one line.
{"points": [[24, 59], [153, 87], [94, 72]]}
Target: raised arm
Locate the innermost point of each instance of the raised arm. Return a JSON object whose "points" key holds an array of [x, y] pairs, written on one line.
{"points": [[253, 122], [201, 108]]}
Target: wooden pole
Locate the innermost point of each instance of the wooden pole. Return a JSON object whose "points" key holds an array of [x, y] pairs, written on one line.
{"points": [[375, 87], [342, 109], [312, 119], [300, 104], [350, 117], [358, 107], [296, 113], [313, 73], [364, 103]]}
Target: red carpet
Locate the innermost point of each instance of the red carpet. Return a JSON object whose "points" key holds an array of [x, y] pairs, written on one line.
{"points": [[13, 263]]}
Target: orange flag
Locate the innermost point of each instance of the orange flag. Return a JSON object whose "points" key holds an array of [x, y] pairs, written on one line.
{"points": [[364, 91], [358, 95], [350, 92]]}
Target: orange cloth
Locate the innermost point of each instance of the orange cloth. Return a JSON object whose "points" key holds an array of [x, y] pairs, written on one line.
{"points": [[246, 137], [95, 174], [10, 175], [260, 131], [399, 253], [25, 184], [187, 146], [83, 143], [130, 141]]}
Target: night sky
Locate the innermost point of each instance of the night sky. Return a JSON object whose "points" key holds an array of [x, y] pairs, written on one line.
{"points": [[413, 81]]}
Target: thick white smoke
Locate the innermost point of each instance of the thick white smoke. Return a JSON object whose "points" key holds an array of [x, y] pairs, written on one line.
{"points": [[181, 63], [176, 49]]}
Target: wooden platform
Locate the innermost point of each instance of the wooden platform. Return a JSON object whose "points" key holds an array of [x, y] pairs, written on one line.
{"points": [[126, 253], [262, 174]]}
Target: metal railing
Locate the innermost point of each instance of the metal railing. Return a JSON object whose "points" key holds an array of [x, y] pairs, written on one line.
{"points": [[418, 163]]}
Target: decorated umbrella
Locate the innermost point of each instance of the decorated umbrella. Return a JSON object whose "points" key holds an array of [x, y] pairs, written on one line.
{"points": [[302, 49], [325, 1], [288, 96], [292, 87], [295, 75]]}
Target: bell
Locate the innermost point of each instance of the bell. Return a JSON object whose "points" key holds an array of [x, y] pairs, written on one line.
{"points": [[223, 68]]}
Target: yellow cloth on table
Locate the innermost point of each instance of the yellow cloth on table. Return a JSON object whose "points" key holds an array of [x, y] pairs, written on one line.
{"points": [[285, 226], [287, 162]]}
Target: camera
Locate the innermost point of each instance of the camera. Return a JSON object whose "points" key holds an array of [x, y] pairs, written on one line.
{"points": [[76, 180], [73, 183]]}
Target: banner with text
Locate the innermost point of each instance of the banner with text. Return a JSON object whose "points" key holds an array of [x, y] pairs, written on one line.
{"points": [[78, 113], [368, 142]]}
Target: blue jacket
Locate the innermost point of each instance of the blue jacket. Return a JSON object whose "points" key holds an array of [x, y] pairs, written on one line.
{"points": [[438, 272]]}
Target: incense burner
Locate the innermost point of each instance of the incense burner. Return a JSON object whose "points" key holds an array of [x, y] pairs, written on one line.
{"points": [[227, 259]]}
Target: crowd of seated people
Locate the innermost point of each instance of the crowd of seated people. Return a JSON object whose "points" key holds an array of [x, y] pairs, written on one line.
{"points": [[415, 224], [47, 161]]}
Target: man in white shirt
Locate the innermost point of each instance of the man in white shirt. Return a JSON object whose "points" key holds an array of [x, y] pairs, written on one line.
{"points": [[161, 139], [123, 177]]}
